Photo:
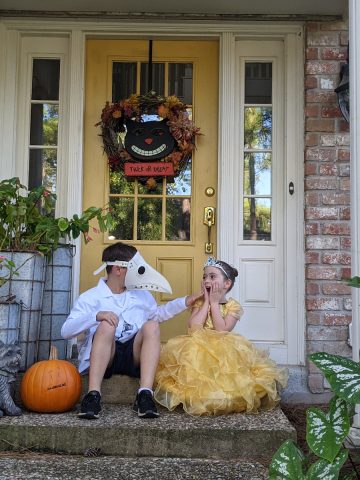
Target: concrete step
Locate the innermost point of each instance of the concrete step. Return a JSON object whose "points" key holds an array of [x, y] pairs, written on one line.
{"points": [[119, 432], [29, 466]]}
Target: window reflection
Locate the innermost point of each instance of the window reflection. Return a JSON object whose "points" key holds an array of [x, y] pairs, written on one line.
{"points": [[257, 218], [42, 168], [257, 174], [258, 127], [44, 124], [178, 216], [182, 183], [123, 215], [149, 219], [258, 82]]}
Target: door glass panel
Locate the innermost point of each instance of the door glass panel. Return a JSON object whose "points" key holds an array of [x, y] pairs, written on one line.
{"points": [[258, 82], [257, 218], [42, 168], [257, 152], [123, 80], [149, 221], [44, 124], [158, 78], [257, 174], [180, 81], [45, 79], [258, 127], [161, 212], [122, 210], [178, 218]]}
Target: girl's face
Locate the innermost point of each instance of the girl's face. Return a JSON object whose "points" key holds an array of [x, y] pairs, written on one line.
{"points": [[212, 276]]}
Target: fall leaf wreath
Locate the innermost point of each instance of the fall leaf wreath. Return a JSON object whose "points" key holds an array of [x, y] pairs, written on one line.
{"points": [[170, 109]]}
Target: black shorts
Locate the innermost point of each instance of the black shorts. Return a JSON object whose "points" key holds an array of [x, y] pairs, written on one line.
{"points": [[123, 362]]}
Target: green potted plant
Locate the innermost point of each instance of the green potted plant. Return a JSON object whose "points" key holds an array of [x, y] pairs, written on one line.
{"points": [[30, 235]]}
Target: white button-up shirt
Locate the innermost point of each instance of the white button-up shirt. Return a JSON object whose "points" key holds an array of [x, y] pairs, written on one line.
{"points": [[133, 308]]}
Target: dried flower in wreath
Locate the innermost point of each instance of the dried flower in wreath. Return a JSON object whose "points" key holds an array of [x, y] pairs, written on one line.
{"points": [[171, 110]]}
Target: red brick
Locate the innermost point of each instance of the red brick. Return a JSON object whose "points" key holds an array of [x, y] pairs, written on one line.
{"points": [[345, 243], [312, 53], [311, 198], [322, 213], [313, 110], [311, 139], [327, 39], [336, 259], [334, 25], [324, 242], [330, 303], [344, 38], [343, 155], [316, 383], [344, 213], [336, 289], [312, 228], [347, 301], [329, 169], [312, 257], [345, 273], [345, 184], [343, 126], [333, 198], [312, 27], [331, 112], [344, 171], [332, 54], [311, 168], [322, 125], [313, 318], [337, 319], [323, 273], [316, 67], [315, 96], [312, 289], [321, 184], [321, 332], [311, 82], [321, 154], [337, 348], [340, 228]]}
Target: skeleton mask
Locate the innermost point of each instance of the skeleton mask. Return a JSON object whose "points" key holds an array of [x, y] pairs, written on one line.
{"points": [[139, 275]]}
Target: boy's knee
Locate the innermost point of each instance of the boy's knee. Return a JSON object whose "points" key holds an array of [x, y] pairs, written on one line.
{"points": [[151, 327], [105, 329]]}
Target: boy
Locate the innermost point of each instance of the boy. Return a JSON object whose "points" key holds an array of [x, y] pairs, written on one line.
{"points": [[121, 321]]}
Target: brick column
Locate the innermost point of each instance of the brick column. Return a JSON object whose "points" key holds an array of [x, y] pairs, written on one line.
{"points": [[327, 197]]}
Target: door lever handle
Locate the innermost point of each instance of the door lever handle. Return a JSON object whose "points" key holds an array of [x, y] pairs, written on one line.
{"points": [[209, 221]]}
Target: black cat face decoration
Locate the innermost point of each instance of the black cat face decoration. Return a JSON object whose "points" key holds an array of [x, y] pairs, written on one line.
{"points": [[148, 140]]}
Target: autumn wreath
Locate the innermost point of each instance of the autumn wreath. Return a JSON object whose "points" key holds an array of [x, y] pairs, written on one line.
{"points": [[113, 128]]}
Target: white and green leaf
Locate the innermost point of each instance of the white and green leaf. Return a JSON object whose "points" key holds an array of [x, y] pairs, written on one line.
{"points": [[323, 470], [342, 374], [325, 432], [287, 463]]}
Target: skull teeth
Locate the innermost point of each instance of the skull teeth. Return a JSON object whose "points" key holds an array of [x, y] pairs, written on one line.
{"points": [[148, 153]]}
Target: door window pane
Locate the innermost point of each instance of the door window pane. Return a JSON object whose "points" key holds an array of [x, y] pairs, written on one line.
{"points": [[258, 127], [257, 174], [123, 80], [257, 219], [42, 168], [45, 79], [149, 219], [158, 78], [258, 82], [181, 184], [180, 81], [123, 214], [178, 218], [119, 184], [44, 124]]}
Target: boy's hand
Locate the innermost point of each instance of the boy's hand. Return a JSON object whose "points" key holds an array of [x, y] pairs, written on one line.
{"points": [[110, 317], [191, 299]]}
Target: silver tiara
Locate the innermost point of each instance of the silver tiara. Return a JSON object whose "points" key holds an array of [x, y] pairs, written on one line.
{"points": [[212, 262]]}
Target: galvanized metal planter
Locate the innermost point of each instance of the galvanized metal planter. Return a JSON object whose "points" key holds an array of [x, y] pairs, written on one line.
{"points": [[9, 321], [56, 302], [27, 288]]}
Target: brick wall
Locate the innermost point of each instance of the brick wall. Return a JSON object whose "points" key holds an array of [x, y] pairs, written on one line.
{"points": [[327, 196]]}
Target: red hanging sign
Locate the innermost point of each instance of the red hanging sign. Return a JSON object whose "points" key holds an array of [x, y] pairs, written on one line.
{"points": [[156, 169]]}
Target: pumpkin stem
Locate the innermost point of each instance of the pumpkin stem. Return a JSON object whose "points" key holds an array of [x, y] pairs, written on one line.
{"points": [[53, 353]]}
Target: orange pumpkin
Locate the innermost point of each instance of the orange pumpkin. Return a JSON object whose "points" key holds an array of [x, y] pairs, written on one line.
{"points": [[51, 386]]}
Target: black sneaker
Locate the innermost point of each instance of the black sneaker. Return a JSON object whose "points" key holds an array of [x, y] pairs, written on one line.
{"points": [[90, 405], [144, 405]]}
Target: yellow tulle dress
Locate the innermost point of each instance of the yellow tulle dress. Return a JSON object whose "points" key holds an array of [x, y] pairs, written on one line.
{"points": [[213, 373]]}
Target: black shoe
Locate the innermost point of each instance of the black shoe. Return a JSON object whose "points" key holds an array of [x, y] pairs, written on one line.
{"points": [[144, 405], [90, 405]]}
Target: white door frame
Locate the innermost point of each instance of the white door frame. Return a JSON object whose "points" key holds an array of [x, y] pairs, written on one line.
{"points": [[12, 28]]}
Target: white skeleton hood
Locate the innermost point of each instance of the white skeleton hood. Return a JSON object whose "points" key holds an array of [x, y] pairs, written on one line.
{"points": [[140, 275]]}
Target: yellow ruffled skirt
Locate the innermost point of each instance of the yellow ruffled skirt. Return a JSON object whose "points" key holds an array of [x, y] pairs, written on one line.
{"points": [[213, 373]]}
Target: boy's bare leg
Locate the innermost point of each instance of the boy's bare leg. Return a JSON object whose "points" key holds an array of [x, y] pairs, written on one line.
{"points": [[147, 352], [102, 354]]}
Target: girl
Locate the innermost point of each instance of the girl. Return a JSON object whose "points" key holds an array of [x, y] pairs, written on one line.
{"points": [[211, 371]]}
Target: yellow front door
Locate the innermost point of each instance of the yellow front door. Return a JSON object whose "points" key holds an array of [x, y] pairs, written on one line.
{"points": [[166, 224]]}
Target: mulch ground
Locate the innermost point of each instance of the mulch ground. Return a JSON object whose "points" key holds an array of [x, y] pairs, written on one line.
{"points": [[297, 416]]}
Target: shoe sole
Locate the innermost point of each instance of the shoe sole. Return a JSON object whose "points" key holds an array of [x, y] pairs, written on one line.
{"points": [[88, 415], [148, 414]]}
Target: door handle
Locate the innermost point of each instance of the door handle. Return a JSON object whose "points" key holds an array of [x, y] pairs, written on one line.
{"points": [[209, 221]]}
